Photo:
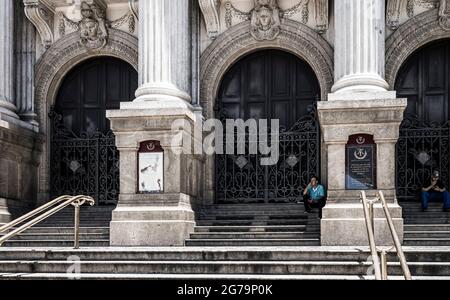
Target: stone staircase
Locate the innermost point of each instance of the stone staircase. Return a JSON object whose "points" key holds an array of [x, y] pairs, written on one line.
{"points": [[255, 225], [57, 231], [429, 228], [215, 263]]}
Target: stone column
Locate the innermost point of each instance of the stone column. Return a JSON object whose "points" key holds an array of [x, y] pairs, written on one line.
{"points": [[25, 59], [164, 53], [8, 110], [360, 103], [162, 99], [359, 46]]}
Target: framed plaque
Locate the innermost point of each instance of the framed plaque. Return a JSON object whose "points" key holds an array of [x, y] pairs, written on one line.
{"points": [[361, 156], [151, 168]]}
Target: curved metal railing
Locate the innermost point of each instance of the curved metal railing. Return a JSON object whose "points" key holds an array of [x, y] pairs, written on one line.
{"points": [[381, 272], [45, 211]]}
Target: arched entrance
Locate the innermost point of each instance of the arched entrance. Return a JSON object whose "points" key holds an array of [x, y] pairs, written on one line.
{"points": [[424, 144], [270, 84], [84, 159]]}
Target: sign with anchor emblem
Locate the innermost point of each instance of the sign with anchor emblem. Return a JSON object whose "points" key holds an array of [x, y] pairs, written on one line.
{"points": [[360, 163]]}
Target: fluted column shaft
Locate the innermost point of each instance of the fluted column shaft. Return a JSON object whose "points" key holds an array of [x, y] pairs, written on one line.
{"points": [[164, 50], [25, 59], [359, 46], [7, 102]]}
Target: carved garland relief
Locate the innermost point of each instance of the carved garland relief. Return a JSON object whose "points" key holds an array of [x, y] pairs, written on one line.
{"points": [[92, 28], [265, 17], [396, 7]]}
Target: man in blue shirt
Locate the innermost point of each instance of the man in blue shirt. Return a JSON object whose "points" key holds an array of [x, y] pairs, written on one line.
{"points": [[314, 196]]}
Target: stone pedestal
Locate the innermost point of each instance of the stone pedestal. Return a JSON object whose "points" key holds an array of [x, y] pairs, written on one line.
{"points": [[164, 219], [343, 222], [19, 160]]}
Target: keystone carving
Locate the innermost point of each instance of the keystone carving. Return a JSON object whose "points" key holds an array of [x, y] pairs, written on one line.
{"points": [[444, 14], [93, 26], [265, 20], [266, 16]]}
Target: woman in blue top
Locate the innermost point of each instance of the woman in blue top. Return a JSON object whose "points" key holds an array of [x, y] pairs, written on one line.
{"points": [[314, 196]]}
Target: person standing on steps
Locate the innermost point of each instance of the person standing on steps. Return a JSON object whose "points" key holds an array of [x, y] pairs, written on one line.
{"points": [[434, 190], [314, 196]]}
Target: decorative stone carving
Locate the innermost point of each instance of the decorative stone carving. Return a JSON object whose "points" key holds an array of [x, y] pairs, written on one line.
{"points": [[210, 10], [396, 7], [322, 13], [393, 14], [266, 16], [93, 26], [41, 14], [444, 14], [265, 20]]}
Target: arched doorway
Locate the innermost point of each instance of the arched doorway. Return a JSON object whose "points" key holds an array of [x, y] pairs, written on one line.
{"points": [[270, 84], [84, 159], [424, 79]]}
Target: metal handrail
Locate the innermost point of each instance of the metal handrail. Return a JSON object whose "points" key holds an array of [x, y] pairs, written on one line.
{"points": [[381, 272], [76, 201], [370, 232], [396, 239]]}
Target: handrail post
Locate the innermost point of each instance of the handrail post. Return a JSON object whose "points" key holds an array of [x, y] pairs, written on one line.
{"points": [[384, 266], [77, 227], [370, 233]]}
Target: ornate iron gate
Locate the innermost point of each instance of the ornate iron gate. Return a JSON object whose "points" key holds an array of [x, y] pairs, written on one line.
{"points": [[421, 149], [87, 164], [242, 179]]}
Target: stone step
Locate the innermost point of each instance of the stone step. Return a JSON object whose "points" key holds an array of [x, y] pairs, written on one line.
{"points": [[260, 235], [427, 227], [96, 276], [253, 217], [251, 222], [409, 221], [56, 243], [417, 254], [282, 228], [427, 234], [59, 236], [221, 267], [45, 230], [251, 242], [427, 242]]}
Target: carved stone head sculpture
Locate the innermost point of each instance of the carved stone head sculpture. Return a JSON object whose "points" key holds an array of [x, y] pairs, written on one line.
{"points": [[265, 20], [93, 32]]}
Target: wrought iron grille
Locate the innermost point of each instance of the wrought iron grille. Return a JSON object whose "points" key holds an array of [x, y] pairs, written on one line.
{"points": [[242, 178], [83, 165], [421, 149]]}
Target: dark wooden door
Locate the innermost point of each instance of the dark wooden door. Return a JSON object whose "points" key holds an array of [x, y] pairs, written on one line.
{"points": [[425, 80], [270, 84], [93, 88], [424, 143], [84, 158]]}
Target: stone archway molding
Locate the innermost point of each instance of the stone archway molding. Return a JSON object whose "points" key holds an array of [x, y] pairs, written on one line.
{"points": [[51, 70], [68, 52], [409, 37], [237, 42]]}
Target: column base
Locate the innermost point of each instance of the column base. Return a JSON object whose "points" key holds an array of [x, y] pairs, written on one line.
{"points": [[360, 83], [165, 92], [152, 226], [345, 225]]}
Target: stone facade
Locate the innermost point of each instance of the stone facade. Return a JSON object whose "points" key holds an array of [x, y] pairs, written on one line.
{"points": [[181, 50]]}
